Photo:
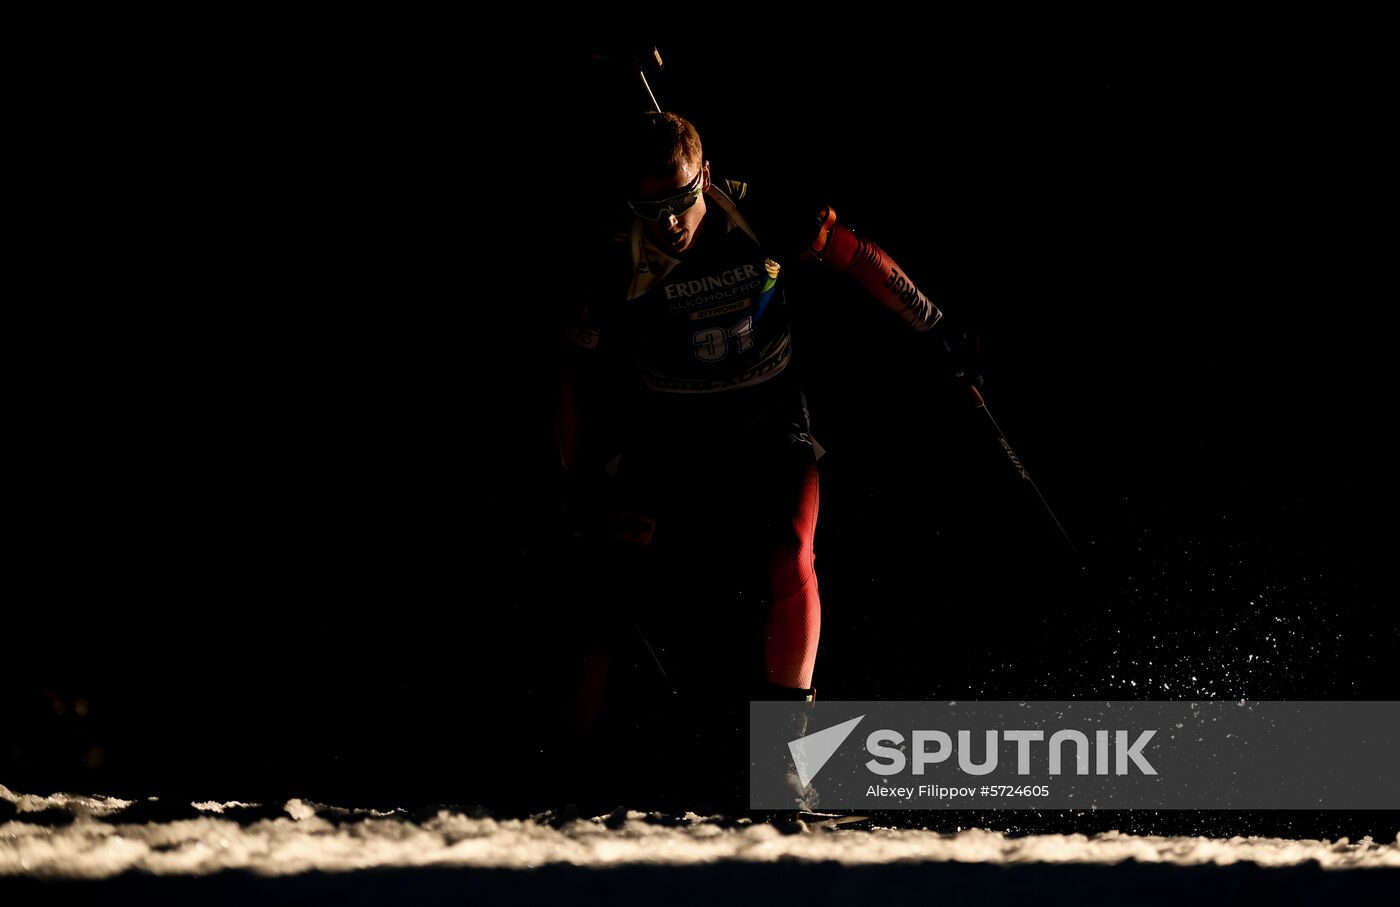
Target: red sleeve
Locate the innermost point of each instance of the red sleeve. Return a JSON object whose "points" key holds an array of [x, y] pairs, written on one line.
{"points": [[840, 248]]}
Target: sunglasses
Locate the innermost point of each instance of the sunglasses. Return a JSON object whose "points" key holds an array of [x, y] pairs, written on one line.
{"points": [[676, 204]]}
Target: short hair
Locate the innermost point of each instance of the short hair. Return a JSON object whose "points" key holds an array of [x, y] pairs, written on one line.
{"points": [[665, 142]]}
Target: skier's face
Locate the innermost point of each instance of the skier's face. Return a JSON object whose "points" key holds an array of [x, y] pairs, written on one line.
{"points": [[673, 207]]}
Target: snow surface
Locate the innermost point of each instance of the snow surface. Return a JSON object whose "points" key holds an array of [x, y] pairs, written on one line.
{"points": [[67, 836]]}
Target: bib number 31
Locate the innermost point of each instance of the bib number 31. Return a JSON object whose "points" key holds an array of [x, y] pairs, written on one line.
{"points": [[712, 344]]}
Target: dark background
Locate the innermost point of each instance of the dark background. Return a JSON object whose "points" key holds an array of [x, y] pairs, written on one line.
{"points": [[290, 520]]}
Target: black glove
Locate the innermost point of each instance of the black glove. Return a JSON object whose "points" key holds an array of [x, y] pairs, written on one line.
{"points": [[964, 348]]}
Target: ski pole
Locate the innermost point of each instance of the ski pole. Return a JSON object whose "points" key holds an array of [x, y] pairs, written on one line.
{"points": [[642, 71], [641, 59], [1021, 470]]}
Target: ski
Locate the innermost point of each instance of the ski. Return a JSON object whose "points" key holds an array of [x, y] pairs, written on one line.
{"points": [[828, 820]]}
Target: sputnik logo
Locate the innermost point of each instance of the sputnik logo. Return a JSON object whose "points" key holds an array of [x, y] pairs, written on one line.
{"points": [[810, 753]]}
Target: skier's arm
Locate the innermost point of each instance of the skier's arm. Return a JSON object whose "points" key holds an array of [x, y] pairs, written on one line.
{"points": [[585, 420], [576, 386], [840, 248], [586, 413]]}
